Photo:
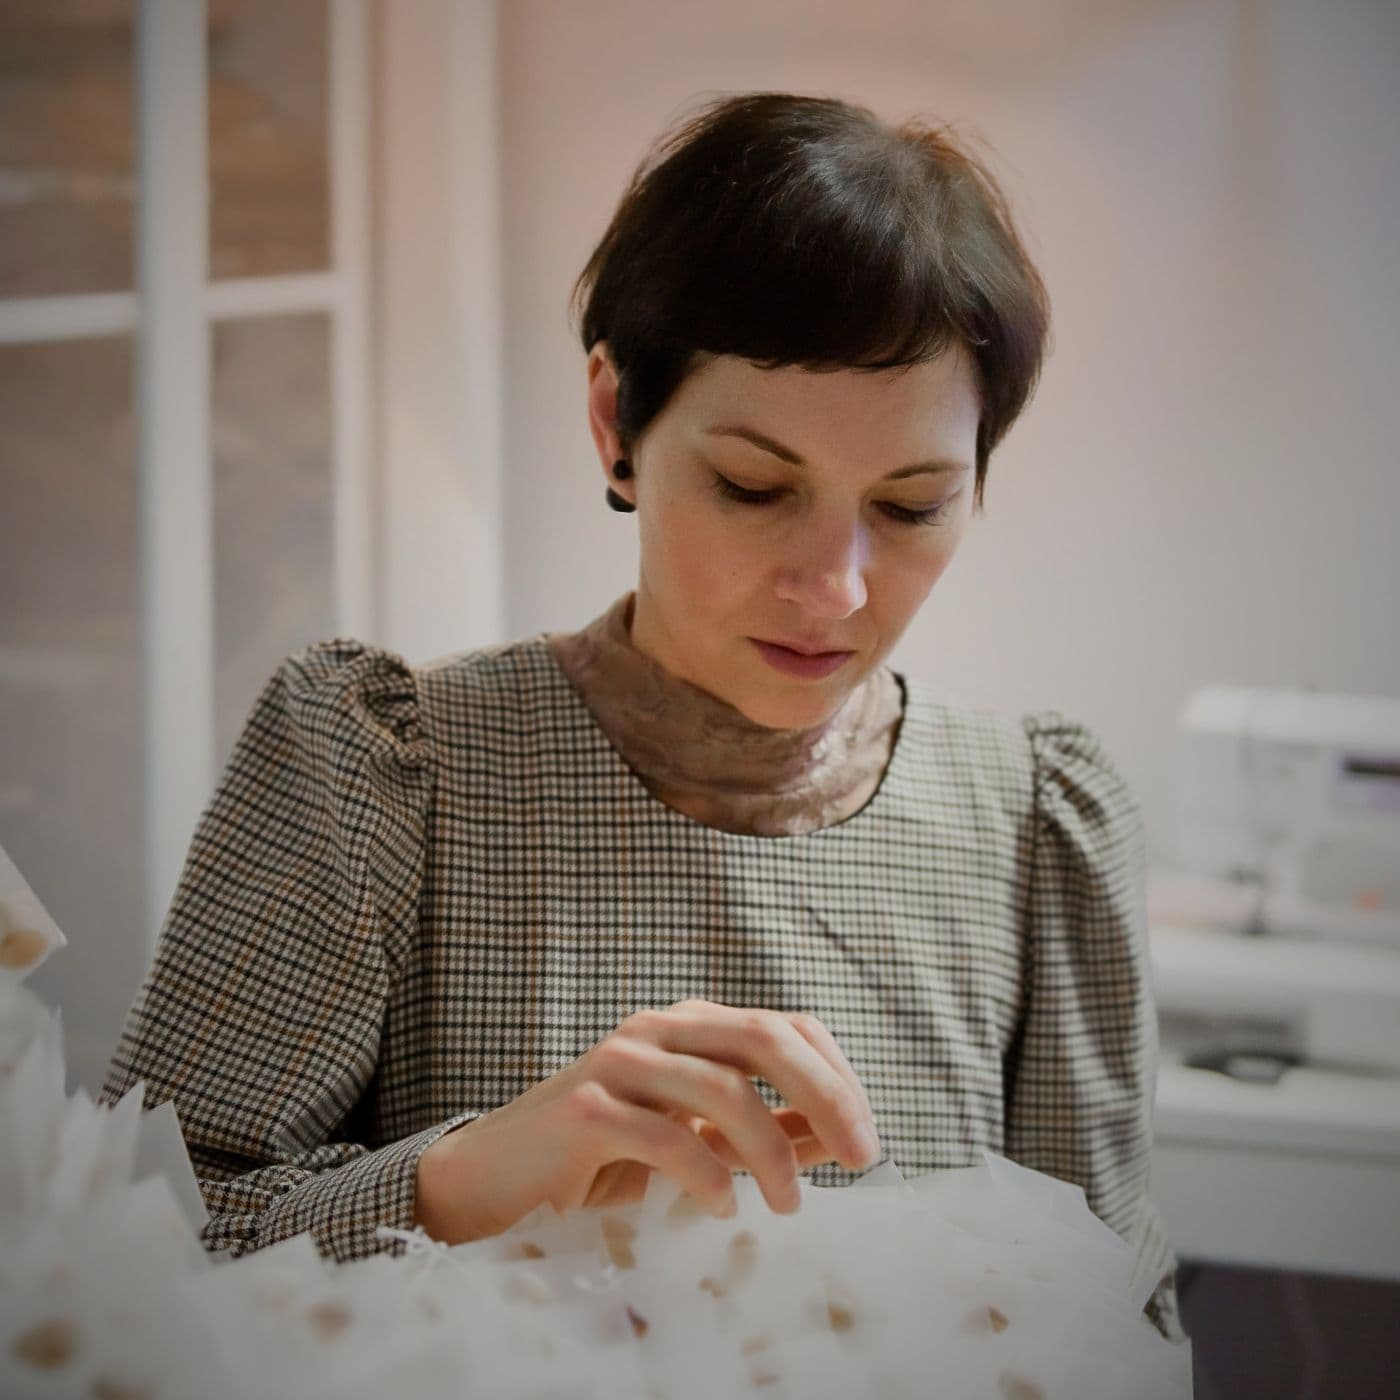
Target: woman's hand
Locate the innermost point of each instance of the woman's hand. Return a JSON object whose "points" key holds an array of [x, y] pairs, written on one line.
{"points": [[666, 1090]]}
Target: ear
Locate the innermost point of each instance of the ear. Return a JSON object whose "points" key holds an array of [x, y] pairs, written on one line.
{"points": [[602, 416]]}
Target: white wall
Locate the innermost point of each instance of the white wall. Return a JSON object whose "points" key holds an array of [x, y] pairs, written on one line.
{"points": [[437, 327], [1203, 490]]}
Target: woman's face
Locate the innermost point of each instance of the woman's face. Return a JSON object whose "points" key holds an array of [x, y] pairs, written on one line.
{"points": [[826, 538]]}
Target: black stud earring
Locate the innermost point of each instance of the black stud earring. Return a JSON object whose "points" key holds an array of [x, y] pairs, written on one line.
{"points": [[621, 470]]}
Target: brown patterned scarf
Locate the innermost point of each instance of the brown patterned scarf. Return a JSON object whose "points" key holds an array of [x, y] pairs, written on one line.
{"points": [[701, 755]]}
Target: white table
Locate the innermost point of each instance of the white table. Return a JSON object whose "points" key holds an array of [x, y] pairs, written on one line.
{"points": [[1302, 1175]]}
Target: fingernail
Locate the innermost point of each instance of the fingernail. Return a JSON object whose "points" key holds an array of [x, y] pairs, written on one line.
{"points": [[869, 1146]]}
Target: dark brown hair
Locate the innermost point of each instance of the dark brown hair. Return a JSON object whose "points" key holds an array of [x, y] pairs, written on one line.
{"points": [[792, 230]]}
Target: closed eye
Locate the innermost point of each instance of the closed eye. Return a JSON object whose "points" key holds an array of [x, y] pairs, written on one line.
{"points": [[734, 492]]}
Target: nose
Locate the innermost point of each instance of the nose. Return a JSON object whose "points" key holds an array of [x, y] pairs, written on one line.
{"points": [[823, 568]]}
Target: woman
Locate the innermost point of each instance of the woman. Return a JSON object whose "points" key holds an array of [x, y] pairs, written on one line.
{"points": [[528, 923]]}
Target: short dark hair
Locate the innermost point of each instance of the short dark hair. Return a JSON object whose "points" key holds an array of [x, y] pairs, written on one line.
{"points": [[796, 230]]}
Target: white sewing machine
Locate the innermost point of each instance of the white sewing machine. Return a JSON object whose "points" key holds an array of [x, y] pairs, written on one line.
{"points": [[1275, 940]]}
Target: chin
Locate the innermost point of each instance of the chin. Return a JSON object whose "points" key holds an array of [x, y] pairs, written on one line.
{"points": [[784, 712]]}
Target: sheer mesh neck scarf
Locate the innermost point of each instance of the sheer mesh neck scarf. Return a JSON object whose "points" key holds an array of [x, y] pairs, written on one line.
{"points": [[699, 754]]}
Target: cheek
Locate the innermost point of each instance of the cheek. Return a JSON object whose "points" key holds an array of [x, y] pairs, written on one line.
{"points": [[938, 561], [907, 576], [701, 557]]}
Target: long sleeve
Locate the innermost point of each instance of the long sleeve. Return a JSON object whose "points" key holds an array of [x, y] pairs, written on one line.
{"points": [[261, 1013], [1081, 1078]]}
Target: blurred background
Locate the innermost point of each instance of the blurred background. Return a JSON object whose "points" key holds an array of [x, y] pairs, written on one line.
{"points": [[284, 355]]}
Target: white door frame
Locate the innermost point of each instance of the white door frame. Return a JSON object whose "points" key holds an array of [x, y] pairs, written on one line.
{"points": [[438, 327]]}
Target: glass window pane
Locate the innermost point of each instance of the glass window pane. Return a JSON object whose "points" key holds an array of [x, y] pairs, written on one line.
{"points": [[268, 172], [70, 681], [66, 142], [273, 520]]}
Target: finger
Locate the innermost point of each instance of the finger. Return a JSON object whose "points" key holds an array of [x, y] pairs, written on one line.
{"points": [[810, 1152], [767, 1043], [635, 1068], [789, 1120], [686, 1119], [806, 1144], [619, 1183], [815, 1032], [622, 1130]]}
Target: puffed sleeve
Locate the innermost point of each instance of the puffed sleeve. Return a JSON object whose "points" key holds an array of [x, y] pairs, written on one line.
{"points": [[261, 1013], [1081, 1076]]}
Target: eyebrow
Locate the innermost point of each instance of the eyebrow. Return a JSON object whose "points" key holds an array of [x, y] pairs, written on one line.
{"points": [[768, 444]]}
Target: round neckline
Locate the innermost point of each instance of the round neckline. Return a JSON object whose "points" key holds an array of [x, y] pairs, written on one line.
{"points": [[872, 808]]}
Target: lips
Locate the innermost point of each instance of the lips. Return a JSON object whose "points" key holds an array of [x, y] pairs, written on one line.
{"points": [[802, 665], [806, 648]]}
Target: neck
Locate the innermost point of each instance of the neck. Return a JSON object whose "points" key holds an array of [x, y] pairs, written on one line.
{"points": [[700, 753]]}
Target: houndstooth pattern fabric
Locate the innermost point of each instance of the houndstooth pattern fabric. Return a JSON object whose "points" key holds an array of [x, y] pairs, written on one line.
{"points": [[418, 891]]}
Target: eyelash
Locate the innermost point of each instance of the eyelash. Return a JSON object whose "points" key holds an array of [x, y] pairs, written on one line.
{"points": [[734, 492]]}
